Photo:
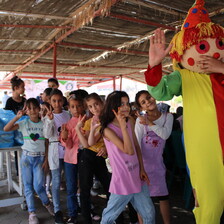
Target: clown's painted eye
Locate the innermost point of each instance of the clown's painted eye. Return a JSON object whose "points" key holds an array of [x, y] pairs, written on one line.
{"points": [[203, 47], [219, 44]]}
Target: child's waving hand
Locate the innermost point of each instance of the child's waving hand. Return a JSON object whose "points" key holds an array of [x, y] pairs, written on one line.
{"points": [[80, 123], [50, 113], [120, 117]]}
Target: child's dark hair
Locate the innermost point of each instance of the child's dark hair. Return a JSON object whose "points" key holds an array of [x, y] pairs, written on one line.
{"points": [[47, 105], [79, 93], [47, 91], [16, 82], [94, 96], [138, 94], [54, 80], [113, 101], [32, 101], [56, 92], [77, 98]]}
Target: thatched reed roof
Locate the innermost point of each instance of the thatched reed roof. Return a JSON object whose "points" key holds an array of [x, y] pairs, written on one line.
{"points": [[95, 40]]}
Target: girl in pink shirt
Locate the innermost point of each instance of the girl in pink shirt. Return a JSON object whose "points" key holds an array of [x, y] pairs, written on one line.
{"points": [[70, 140], [126, 162]]}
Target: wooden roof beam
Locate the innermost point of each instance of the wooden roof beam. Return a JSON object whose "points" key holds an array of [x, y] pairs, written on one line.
{"points": [[102, 48], [31, 15], [35, 26], [165, 9]]}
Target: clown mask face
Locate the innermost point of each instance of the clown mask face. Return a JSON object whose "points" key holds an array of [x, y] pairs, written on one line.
{"points": [[210, 47]]}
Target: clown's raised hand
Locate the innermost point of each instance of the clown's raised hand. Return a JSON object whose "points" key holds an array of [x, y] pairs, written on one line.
{"points": [[157, 50]]}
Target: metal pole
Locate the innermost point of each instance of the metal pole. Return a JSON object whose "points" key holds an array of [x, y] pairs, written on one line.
{"points": [[120, 82], [114, 83], [55, 60]]}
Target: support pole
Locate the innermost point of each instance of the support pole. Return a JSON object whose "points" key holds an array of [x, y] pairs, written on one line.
{"points": [[121, 82], [55, 60], [114, 83]]}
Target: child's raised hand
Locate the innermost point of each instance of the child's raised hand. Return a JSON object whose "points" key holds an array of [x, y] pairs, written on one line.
{"points": [[49, 113], [80, 122], [142, 118], [43, 111], [95, 123], [64, 132], [21, 112], [120, 117]]}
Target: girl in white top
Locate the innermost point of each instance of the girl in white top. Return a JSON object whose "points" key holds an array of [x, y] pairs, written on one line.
{"points": [[53, 124], [152, 129]]}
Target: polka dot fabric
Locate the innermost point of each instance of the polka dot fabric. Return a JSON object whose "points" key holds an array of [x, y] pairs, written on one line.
{"points": [[197, 14]]}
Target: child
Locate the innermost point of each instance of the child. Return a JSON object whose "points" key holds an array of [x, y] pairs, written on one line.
{"points": [[126, 161], [70, 140], [54, 84], [32, 157], [46, 95], [16, 102], [90, 158], [152, 130], [53, 125]]}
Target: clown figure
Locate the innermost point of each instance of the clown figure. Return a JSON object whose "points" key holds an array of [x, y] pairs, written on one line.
{"points": [[198, 54]]}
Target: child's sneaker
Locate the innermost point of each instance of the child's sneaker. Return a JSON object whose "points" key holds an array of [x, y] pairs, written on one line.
{"points": [[33, 218], [50, 208], [59, 218], [95, 217], [71, 220], [48, 194]]}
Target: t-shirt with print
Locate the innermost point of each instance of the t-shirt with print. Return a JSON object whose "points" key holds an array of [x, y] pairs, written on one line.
{"points": [[33, 137], [100, 144], [59, 119]]}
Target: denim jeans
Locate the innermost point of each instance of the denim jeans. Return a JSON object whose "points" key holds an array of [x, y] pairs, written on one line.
{"points": [[33, 178], [141, 202], [71, 171], [56, 180]]}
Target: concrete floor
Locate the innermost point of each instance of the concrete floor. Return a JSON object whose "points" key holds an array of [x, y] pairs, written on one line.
{"points": [[15, 215]]}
